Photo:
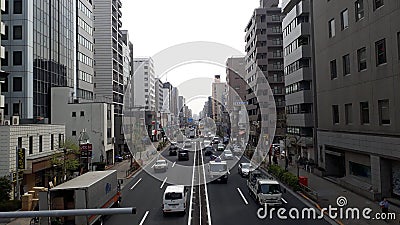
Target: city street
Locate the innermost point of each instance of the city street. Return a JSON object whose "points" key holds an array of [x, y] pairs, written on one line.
{"points": [[228, 203]]}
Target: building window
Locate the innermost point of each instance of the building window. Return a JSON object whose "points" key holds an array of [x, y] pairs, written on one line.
{"points": [[359, 5], [60, 140], [333, 69], [17, 58], [19, 142], [362, 59], [384, 112], [344, 16], [331, 25], [17, 6], [398, 45], [380, 49], [73, 114], [17, 32], [6, 7], [6, 109], [335, 114], [346, 64], [348, 113], [17, 84], [30, 145], [52, 141], [4, 86], [5, 35], [378, 4], [359, 170], [40, 143], [82, 113], [74, 133], [4, 62], [364, 112], [16, 109]]}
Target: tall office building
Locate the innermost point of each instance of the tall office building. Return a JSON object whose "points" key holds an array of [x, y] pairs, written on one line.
{"points": [[357, 45], [84, 51], [298, 70], [264, 51], [40, 54], [3, 74], [144, 83], [109, 78], [218, 94]]}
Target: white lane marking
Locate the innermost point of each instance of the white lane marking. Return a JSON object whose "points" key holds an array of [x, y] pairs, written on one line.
{"points": [[284, 200], [205, 188], [162, 185], [191, 192], [136, 183], [229, 172], [241, 194], [153, 165], [173, 164], [144, 218], [237, 157]]}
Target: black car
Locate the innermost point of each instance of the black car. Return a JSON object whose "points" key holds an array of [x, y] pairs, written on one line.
{"points": [[172, 149], [208, 150], [183, 154]]}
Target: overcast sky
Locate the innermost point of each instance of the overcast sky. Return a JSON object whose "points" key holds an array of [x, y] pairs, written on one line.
{"points": [[155, 25]]}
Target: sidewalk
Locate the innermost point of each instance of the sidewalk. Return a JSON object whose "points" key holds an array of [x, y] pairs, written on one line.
{"points": [[328, 192]]}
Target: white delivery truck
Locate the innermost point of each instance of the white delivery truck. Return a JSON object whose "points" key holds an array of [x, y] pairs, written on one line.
{"points": [[265, 190], [99, 189], [218, 171]]}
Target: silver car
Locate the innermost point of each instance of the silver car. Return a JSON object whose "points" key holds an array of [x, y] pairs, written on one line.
{"points": [[227, 154]]}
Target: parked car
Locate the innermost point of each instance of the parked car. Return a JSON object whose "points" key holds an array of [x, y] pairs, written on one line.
{"points": [[161, 165], [183, 154], [227, 154], [244, 169]]}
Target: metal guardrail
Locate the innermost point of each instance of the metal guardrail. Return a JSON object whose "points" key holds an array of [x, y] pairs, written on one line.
{"points": [[69, 212]]}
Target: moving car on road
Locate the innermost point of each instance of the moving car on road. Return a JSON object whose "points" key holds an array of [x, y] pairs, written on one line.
{"points": [[173, 148], [221, 147], [227, 154], [174, 199], [244, 169], [183, 154], [208, 150], [215, 140], [161, 165], [188, 144]]}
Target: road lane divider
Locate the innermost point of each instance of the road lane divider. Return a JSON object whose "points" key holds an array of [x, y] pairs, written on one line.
{"points": [[144, 218], [162, 185], [205, 187], [283, 200], [191, 191], [244, 198], [173, 164], [238, 158], [136, 183]]}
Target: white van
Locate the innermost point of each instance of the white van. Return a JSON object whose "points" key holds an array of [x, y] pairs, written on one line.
{"points": [[174, 199]]}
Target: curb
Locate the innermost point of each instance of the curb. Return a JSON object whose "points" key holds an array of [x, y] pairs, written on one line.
{"points": [[305, 200]]}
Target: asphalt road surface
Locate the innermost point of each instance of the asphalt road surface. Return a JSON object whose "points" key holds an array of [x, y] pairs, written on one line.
{"points": [[221, 203]]}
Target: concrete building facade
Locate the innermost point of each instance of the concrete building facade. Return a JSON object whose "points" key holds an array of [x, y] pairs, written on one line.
{"points": [[264, 57], [357, 45], [144, 83], [298, 70], [95, 118]]}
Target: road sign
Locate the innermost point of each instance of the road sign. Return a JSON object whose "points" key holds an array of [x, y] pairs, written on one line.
{"points": [[190, 120], [85, 147], [21, 158]]}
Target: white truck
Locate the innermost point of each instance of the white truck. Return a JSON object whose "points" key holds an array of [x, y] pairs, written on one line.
{"points": [[263, 189], [99, 189], [218, 171]]}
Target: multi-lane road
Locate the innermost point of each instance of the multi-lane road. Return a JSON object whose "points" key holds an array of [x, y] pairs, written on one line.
{"points": [[210, 203]]}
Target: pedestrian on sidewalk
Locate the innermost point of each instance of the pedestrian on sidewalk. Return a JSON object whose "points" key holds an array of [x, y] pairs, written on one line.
{"points": [[384, 204]]}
